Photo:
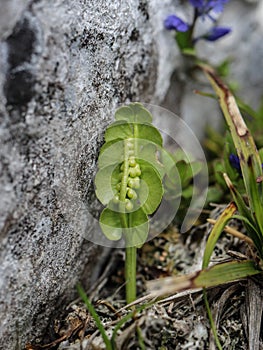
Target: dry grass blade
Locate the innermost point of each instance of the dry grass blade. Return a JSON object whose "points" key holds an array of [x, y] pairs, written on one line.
{"points": [[254, 305], [234, 232]]}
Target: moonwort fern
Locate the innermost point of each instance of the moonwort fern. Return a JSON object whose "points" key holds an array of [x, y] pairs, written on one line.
{"points": [[129, 182]]}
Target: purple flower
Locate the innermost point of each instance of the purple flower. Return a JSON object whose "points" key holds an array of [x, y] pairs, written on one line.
{"points": [[216, 33], [235, 162], [173, 22], [203, 7]]}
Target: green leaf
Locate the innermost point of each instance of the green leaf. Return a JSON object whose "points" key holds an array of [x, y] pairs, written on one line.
{"points": [[216, 232], [151, 190], [223, 68], [256, 192], [149, 152], [112, 153], [134, 113], [124, 113], [246, 108], [180, 154], [185, 172], [214, 194], [149, 132], [261, 154], [196, 167], [124, 130], [111, 225], [218, 172], [108, 144], [105, 181], [188, 192], [167, 159], [173, 184], [119, 130], [137, 233]]}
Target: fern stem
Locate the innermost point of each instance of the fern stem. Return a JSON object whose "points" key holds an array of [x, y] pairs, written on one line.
{"points": [[130, 274], [130, 256]]}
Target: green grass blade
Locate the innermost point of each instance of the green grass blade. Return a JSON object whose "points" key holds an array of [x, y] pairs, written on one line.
{"points": [[119, 325], [250, 222], [216, 232], [140, 338], [226, 272], [255, 195], [212, 323], [242, 208], [95, 316]]}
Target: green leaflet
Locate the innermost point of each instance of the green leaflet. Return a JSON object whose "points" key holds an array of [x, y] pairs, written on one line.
{"points": [[112, 226], [125, 130], [105, 181], [151, 191], [111, 153], [134, 113]]}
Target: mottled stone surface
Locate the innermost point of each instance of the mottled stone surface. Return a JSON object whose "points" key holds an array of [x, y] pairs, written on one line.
{"points": [[65, 65]]}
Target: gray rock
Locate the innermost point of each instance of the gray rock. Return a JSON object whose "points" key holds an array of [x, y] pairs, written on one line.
{"points": [[65, 66]]}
